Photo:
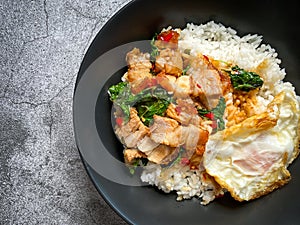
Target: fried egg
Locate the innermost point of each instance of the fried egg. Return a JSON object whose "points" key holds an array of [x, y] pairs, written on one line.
{"points": [[250, 159]]}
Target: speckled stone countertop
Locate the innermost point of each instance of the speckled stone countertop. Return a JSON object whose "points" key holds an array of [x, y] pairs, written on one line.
{"points": [[42, 178]]}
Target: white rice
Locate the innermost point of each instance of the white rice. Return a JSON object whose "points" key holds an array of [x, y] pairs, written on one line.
{"points": [[221, 43], [180, 179]]}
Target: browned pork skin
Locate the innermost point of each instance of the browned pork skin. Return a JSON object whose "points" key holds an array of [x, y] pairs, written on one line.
{"points": [[170, 61], [184, 112], [132, 132], [130, 155], [206, 82], [163, 154], [139, 65], [167, 131]]}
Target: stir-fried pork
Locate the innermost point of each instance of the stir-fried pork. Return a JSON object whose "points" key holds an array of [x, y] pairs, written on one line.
{"points": [[207, 81], [131, 154], [181, 125], [162, 129], [184, 112], [166, 81], [139, 65], [163, 154], [133, 131], [183, 87], [170, 61], [194, 139], [168, 132], [146, 145]]}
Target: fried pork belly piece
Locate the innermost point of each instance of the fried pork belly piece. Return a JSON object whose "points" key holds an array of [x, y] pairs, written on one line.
{"points": [[163, 154], [206, 80], [184, 112], [168, 132], [146, 145], [166, 81], [170, 61], [194, 139], [183, 87], [156, 153], [162, 131], [130, 155], [139, 65], [131, 133], [140, 84]]}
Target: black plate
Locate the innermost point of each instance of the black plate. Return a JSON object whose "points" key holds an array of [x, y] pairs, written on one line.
{"points": [[103, 65]]}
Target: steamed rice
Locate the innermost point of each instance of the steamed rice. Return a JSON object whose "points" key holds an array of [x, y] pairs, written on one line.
{"points": [[185, 182], [221, 43]]}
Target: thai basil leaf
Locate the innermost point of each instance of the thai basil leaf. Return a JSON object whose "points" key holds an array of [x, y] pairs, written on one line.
{"points": [[243, 80], [150, 101], [217, 114], [154, 50], [114, 90], [148, 107]]}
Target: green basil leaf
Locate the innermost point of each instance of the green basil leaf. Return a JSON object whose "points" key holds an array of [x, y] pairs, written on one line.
{"points": [[243, 80]]}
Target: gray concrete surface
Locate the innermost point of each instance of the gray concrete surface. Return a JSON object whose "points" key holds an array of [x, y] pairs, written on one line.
{"points": [[42, 179]]}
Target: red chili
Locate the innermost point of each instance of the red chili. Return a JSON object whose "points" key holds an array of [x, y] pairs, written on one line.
{"points": [[178, 110], [214, 124], [205, 57], [165, 36], [119, 121], [198, 85], [185, 161], [210, 115], [168, 36]]}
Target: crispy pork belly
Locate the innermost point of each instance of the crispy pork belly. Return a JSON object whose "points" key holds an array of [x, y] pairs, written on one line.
{"points": [[224, 76], [194, 139], [140, 84], [132, 139], [170, 61], [131, 154], [184, 112], [183, 87], [146, 145], [163, 154], [206, 82], [162, 128], [133, 131], [166, 81], [168, 132], [139, 65]]}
